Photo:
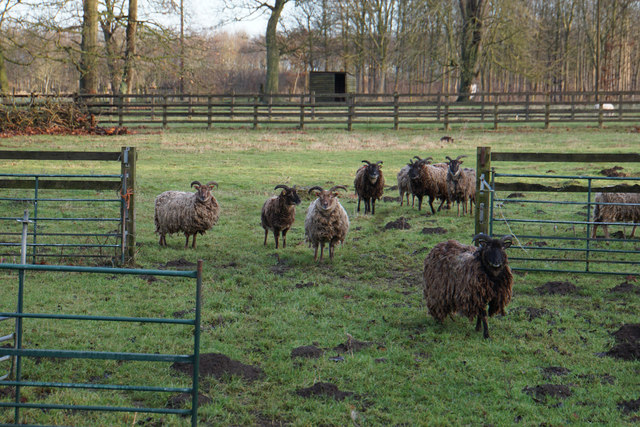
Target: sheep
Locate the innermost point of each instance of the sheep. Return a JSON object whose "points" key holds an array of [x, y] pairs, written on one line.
{"points": [[404, 183], [465, 279], [326, 221], [279, 212], [461, 184], [625, 209], [369, 185], [607, 108], [429, 180], [447, 139], [190, 213]]}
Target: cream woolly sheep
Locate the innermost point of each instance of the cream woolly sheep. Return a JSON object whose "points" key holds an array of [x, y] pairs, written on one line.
{"points": [[189, 213], [279, 212], [326, 222], [626, 209], [461, 184], [464, 279]]}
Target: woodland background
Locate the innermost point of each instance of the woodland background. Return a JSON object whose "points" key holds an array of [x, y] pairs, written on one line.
{"points": [[411, 46]]}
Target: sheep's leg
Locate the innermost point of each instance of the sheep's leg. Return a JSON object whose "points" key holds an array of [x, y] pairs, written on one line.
{"points": [[442, 203], [284, 238], [606, 231], [633, 231], [419, 203], [433, 211], [193, 244], [593, 233], [373, 206], [162, 241], [413, 199], [402, 198], [266, 234], [359, 204], [321, 250], [485, 326], [186, 244], [276, 236], [315, 251], [331, 250], [478, 323]]}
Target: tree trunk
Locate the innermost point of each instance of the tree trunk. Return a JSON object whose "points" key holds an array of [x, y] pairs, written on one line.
{"points": [[89, 55], [472, 13], [273, 50], [130, 50], [4, 80]]}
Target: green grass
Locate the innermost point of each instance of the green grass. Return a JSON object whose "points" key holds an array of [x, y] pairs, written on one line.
{"points": [[416, 372]]}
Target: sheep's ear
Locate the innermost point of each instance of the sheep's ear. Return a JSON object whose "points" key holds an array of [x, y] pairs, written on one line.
{"points": [[335, 194]]}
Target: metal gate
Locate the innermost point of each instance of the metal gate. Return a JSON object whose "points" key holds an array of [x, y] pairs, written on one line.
{"points": [[75, 216], [551, 215]]}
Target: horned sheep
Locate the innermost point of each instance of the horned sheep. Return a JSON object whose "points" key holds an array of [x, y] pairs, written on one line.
{"points": [[326, 221], [279, 213], [369, 184], [626, 208], [461, 184], [404, 183], [465, 279], [429, 180], [189, 213]]}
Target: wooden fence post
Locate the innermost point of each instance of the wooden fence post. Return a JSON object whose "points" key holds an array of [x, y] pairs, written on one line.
{"points": [[396, 111], [573, 106], [129, 156], [446, 117], [255, 112], [233, 101], [547, 113], [312, 100], [120, 109], [483, 167], [600, 114], [153, 107], [269, 104], [350, 111], [302, 112], [439, 101], [495, 116], [209, 107], [620, 106], [527, 107], [164, 111]]}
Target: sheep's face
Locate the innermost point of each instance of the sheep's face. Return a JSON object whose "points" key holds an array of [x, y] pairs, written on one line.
{"points": [[290, 196], [492, 253], [203, 192], [373, 171], [415, 169], [454, 167], [327, 200]]}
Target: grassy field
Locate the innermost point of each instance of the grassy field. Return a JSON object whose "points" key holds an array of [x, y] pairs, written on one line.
{"points": [[544, 365]]}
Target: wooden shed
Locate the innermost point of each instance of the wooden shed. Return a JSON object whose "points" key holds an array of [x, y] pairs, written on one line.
{"points": [[327, 82]]}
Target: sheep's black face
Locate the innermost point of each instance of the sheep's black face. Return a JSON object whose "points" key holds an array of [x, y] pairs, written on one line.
{"points": [[454, 168], [492, 253], [373, 173], [414, 170], [291, 196]]}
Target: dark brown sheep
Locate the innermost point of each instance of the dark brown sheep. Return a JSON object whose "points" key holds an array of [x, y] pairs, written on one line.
{"points": [[279, 212], [464, 279], [429, 180], [369, 185]]}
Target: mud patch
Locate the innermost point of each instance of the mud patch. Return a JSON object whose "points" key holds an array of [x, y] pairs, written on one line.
{"points": [[324, 390], [149, 278], [540, 393], [180, 314], [303, 285], [534, 313], [617, 235], [557, 288], [388, 199], [625, 288], [399, 224], [180, 264], [628, 343], [613, 172], [308, 351], [629, 406], [7, 392], [352, 345], [516, 196], [435, 230], [218, 365], [181, 400], [281, 268], [552, 371]]}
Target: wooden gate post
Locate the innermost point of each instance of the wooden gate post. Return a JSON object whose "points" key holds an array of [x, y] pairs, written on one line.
{"points": [[128, 157], [483, 168]]}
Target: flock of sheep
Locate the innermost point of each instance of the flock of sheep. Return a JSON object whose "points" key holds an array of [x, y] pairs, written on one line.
{"points": [[457, 278]]}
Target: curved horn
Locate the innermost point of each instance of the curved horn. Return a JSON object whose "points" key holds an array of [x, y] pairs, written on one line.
{"points": [[379, 162], [427, 159], [210, 183], [315, 187], [506, 240], [448, 158], [336, 187], [417, 157], [286, 187], [480, 237], [194, 183], [367, 162], [460, 156]]}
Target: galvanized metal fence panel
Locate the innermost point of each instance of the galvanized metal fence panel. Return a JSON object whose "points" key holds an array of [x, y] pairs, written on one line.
{"points": [[551, 216], [33, 350]]}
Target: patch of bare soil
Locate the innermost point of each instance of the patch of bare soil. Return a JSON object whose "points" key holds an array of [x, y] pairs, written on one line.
{"points": [[149, 278], [540, 393], [515, 196], [179, 401], [627, 343], [7, 392], [613, 172], [302, 285], [629, 406], [399, 224], [308, 351], [534, 313], [179, 264], [218, 365], [551, 371], [625, 288], [281, 267], [434, 230], [352, 345], [324, 389], [557, 288]]}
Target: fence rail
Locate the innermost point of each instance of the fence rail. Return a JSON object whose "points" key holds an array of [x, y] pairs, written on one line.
{"points": [[353, 109]]}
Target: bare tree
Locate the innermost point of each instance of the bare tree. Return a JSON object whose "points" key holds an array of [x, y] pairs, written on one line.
{"points": [[89, 55], [472, 15]]}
